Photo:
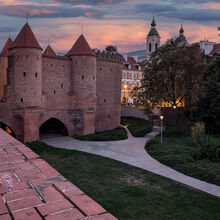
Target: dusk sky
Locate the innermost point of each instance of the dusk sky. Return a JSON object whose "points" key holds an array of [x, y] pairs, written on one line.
{"points": [[123, 23]]}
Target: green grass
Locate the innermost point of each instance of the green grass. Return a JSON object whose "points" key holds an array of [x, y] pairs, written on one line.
{"points": [[128, 192], [110, 135], [178, 153], [138, 127]]}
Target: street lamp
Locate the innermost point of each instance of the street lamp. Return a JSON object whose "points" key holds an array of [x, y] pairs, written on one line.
{"points": [[125, 87], [161, 128], [174, 107]]}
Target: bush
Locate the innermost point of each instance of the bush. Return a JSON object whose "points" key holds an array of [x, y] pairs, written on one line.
{"points": [[137, 126], [198, 134], [207, 147]]}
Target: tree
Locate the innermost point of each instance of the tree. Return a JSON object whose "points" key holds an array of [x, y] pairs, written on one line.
{"points": [[170, 75], [111, 48], [208, 105]]}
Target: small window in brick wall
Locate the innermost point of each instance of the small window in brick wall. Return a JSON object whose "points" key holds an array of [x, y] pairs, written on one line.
{"points": [[21, 99], [104, 100], [51, 64], [93, 77], [54, 91], [83, 77], [24, 73], [109, 116], [36, 75], [26, 56], [62, 85]]}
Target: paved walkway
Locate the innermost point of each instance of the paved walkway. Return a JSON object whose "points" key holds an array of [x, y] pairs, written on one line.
{"points": [[132, 151], [30, 189]]}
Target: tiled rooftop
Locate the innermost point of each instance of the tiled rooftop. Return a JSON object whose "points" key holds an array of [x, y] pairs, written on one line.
{"points": [[31, 189]]}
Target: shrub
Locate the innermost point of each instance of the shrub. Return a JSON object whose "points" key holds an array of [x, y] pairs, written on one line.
{"points": [[198, 134], [208, 147], [137, 126]]}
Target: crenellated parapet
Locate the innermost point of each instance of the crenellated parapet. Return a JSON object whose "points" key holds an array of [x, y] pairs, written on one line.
{"points": [[108, 57]]}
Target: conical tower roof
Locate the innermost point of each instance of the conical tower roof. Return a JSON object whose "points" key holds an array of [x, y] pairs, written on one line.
{"points": [[5, 50], [26, 39], [181, 30], [81, 47], [49, 52]]}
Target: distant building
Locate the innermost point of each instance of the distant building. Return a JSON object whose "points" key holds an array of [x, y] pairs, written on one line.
{"points": [[209, 50], [132, 74]]}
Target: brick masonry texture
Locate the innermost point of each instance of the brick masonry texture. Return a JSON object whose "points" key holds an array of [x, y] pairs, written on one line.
{"points": [[81, 91], [31, 189]]}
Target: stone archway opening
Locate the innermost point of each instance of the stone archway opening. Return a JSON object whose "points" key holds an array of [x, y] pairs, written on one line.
{"points": [[53, 128], [7, 129]]}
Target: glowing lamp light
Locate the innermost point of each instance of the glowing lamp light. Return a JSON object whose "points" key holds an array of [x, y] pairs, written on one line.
{"points": [[161, 117], [125, 86], [174, 106], [8, 130]]}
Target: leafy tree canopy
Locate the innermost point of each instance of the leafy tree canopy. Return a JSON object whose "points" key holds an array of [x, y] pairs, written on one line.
{"points": [[111, 48], [208, 106], [170, 74]]}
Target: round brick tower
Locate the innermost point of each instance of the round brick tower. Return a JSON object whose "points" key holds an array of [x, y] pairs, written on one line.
{"points": [[26, 69], [83, 76]]}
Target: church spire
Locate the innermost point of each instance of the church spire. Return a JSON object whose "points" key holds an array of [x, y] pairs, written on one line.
{"points": [[181, 30], [153, 23]]}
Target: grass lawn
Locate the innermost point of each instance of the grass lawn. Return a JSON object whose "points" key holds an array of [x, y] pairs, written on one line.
{"points": [[128, 192], [177, 153], [138, 127], [110, 135]]}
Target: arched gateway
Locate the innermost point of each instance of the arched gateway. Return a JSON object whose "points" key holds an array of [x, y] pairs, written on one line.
{"points": [[53, 127]]}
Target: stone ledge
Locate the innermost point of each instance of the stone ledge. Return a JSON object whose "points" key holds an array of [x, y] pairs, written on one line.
{"points": [[31, 189]]}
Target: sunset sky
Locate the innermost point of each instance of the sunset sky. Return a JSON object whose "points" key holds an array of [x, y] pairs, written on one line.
{"points": [[124, 23]]}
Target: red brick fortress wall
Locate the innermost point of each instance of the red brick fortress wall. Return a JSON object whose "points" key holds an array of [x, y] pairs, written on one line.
{"points": [[108, 111]]}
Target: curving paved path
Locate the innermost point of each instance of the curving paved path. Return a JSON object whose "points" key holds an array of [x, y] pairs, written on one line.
{"points": [[132, 151]]}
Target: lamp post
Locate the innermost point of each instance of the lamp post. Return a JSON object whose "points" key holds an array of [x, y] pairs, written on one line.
{"points": [[174, 123], [161, 128], [125, 87]]}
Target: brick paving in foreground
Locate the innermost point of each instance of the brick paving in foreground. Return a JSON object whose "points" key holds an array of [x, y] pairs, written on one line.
{"points": [[31, 189]]}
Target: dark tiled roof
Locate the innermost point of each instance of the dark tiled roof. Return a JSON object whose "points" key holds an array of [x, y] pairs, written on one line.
{"points": [[49, 52], [133, 63], [81, 47], [26, 39], [216, 49], [5, 50]]}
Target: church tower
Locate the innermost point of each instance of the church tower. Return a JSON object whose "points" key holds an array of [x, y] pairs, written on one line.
{"points": [[153, 39]]}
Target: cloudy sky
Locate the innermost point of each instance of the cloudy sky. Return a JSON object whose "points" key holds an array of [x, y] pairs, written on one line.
{"points": [[124, 23]]}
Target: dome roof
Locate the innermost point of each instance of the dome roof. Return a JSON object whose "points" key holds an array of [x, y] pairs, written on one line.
{"points": [[153, 32]]}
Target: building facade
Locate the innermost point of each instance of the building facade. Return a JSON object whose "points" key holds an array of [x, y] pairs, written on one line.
{"points": [[132, 74], [78, 92]]}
